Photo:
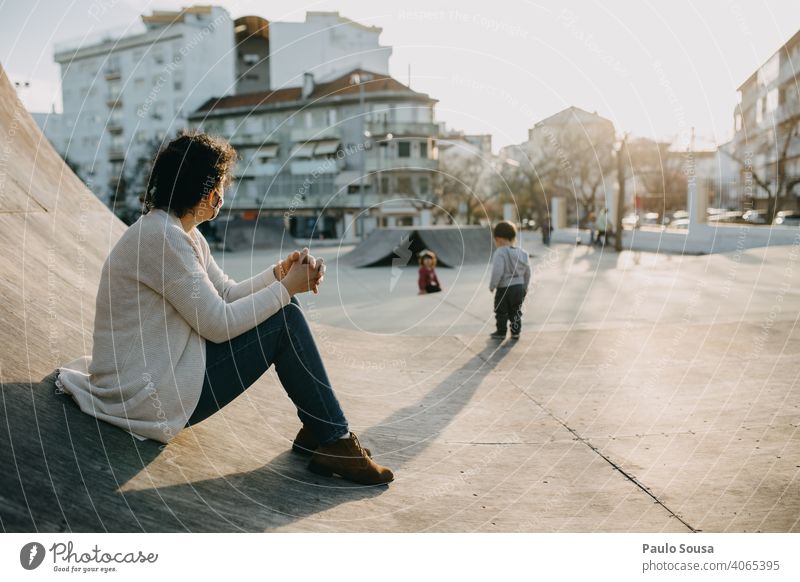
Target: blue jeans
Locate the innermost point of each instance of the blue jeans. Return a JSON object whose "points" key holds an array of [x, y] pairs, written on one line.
{"points": [[284, 339]]}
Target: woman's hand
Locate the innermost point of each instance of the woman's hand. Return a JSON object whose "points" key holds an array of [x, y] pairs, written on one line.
{"points": [[286, 264], [302, 275], [320, 275], [297, 256]]}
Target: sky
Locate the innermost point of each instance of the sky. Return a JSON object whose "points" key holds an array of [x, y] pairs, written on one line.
{"points": [[656, 69]]}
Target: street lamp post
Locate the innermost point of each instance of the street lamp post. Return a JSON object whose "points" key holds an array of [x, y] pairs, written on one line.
{"points": [[362, 199]]}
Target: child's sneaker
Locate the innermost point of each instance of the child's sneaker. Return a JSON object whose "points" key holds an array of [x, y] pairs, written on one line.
{"points": [[498, 335]]}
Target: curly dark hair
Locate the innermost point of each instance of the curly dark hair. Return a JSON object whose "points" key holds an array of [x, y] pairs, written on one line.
{"points": [[505, 230], [426, 253], [191, 166]]}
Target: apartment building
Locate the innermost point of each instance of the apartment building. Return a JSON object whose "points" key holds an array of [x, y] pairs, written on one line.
{"points": [[318, 153], [125, 91], [766, 123]]}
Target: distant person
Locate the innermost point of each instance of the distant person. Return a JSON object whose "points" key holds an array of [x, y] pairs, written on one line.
{"points": [[591, 224], [428, 281], [176, 339], [547, 230], [602, 227], [511, 275]]}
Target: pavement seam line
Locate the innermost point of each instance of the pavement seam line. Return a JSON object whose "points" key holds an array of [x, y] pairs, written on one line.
{"points": [[617, 467], [572, 431]]}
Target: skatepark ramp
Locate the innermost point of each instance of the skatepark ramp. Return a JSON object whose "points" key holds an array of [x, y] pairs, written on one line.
{"points": [[454, 246]]}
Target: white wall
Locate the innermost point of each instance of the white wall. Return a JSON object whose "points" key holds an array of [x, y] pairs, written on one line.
{"points": [[326, 45]]}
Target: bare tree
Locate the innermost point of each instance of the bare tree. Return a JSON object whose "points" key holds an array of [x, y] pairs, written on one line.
{"points": [[589, 163], [529, 179], [465, 181], [658, 173]]}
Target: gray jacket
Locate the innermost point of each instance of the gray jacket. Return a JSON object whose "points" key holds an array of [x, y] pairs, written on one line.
{"points": [[510, 266]]}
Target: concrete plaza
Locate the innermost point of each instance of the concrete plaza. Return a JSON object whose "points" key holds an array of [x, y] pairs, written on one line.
{"points": [[648, 393]]}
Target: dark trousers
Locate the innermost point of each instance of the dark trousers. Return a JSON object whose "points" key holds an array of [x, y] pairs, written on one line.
{"points": [[508, 307], [285, 340]]}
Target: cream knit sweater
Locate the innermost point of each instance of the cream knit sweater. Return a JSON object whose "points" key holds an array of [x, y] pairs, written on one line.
{"points": [[161, 296]]}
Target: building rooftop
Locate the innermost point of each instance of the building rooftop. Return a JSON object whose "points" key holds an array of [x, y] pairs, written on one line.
{"points": [[375, 83], [795, 38]]}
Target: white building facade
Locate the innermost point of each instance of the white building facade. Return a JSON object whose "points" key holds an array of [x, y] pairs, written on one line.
{"points": [[125, 93], [326, 45], [766, 125]]}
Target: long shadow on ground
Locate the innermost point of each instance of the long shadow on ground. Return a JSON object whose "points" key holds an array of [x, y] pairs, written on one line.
{"points": [[63, 468]]}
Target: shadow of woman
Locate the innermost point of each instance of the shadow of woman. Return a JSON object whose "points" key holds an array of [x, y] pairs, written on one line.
{"points": [[62, 468], [67, 468], [282, 491]]}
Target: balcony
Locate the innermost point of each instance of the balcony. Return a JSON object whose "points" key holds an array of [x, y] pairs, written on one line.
{"points": [[258, 169], [251, 139], [314, 166], [112, 74], [381, 128], [114, 127], [387, 165], [304, 134], [114, 101]]}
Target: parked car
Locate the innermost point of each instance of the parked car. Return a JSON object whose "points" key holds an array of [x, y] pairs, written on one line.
{"points": [[787, 218], [725, 216], [754, 217], [680, 215], [649, 218], [681, 223], [630, 221]]}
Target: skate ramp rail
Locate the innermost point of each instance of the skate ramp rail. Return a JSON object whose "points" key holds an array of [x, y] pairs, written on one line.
{"points": [[454, 246]]}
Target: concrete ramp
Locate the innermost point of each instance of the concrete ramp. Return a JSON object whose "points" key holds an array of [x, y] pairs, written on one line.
{"points": [[454, 246], [54, 237]]}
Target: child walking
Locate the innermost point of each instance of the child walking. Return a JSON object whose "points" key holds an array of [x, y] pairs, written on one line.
{"points": [[511, 274], [428, 281]]}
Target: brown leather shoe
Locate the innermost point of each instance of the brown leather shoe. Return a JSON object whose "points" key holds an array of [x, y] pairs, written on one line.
{"points": [[305, 443], [348, 459]]}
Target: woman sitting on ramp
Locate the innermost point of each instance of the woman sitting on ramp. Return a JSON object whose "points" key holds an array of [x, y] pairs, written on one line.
{"points": [[176, 339]]}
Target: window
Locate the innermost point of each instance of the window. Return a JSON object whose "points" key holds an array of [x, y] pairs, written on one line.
{"points": [[424, 185], [158, 110], [404, 185], [404, 115], [772, 100], [386, 184], [423, 149], [250, 59], [177, 84], [404, 149], [252, 125]]}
